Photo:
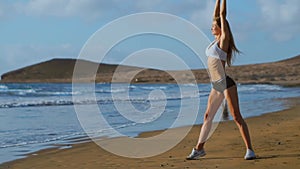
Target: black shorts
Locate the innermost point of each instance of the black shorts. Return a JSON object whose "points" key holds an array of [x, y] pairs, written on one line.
{"points": [[223, 84]]}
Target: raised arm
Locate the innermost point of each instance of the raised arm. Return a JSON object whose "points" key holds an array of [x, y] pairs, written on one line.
{"points": [[217, 10], [225, 37], [224, 9]]}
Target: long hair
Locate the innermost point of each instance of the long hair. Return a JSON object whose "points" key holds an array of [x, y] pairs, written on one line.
{"points": [[232, 50]]}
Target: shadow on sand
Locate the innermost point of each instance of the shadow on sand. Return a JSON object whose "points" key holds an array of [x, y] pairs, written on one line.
{"points": [[257, 158]]}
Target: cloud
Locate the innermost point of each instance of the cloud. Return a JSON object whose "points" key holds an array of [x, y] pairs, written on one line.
{"points": [[198, 12], [93, 10], [56, 8], [280, 18], [44, 7], [202, 17], [86, 9]]}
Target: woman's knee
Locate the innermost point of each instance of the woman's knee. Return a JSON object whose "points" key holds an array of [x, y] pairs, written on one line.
{"points": [[208, 117], [239, 120]]}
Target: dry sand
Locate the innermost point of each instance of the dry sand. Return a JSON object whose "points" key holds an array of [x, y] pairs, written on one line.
{"points": [[275, 137]]}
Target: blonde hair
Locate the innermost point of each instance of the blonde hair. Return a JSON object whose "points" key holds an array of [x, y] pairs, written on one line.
{"points": [[232, 50]]}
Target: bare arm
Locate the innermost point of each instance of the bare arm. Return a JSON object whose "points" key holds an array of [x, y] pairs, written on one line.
{"points": [[225, 37], [217, 9], [224, 9]]}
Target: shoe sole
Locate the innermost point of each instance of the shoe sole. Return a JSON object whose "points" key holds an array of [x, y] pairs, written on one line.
{"points": [[196, 158], [250, 158]]}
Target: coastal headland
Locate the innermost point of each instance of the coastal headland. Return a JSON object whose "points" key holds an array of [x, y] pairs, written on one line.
{"points": [[284, 72]]}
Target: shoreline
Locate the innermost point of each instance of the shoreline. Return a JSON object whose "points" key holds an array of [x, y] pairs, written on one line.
{"points": [[268, 123], [279, 83]]}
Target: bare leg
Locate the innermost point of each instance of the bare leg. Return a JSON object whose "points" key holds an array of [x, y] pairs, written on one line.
{"points": [[214, 101], [231, 96]]}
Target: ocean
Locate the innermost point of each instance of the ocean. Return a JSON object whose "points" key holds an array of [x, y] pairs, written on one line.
{"points": [[39, 116]]}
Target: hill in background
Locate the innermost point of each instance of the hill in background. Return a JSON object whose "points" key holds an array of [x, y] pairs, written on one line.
{"points": [[61, 71], [285, 72]]}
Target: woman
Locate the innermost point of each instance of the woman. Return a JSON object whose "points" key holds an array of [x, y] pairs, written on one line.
{"points": [[220, 53]]}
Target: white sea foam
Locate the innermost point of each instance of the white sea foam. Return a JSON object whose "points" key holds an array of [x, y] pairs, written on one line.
{"points": [[3, 87], [259, 87]]}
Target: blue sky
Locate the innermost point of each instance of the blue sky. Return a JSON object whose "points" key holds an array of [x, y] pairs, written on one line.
{"points": [[32, 31]]}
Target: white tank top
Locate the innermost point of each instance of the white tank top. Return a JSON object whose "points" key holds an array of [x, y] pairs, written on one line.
{"points": [[214, 51], [215, 66]]}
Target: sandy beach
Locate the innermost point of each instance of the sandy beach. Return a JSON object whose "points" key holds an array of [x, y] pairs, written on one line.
{"points": [[275, 137]]}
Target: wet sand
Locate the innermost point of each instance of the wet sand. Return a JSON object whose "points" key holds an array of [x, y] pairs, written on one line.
{"points": [[275, 136]]}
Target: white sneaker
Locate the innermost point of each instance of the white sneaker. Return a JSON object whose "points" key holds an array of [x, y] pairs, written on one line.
{"points": [[196, 154], [250, 155]]}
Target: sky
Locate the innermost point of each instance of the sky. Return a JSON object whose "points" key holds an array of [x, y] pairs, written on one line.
{"points": [[32, 31]]}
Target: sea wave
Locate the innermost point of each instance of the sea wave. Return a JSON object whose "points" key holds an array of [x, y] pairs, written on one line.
{"points": [[29, 96], [67, 137], [259, 87], [38, 139], [111, 90], [35, 92], [154, 87], [3, 87], [108, 100]]}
